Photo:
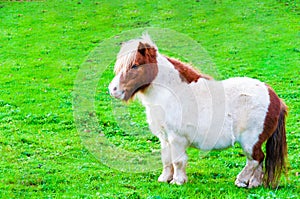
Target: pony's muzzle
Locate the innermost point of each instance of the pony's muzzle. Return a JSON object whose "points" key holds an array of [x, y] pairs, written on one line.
{"points": [[119, 94], [114, 89], [115, 92]]}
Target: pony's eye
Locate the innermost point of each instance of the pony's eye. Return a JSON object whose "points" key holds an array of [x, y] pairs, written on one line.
{"points": [[134, 66]]}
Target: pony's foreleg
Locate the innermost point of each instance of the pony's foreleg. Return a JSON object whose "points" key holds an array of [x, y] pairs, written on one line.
{"points": [[179, 160], [167, 173]]}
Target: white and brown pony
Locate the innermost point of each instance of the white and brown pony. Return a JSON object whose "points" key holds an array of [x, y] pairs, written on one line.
{"points": [[186, 108]]}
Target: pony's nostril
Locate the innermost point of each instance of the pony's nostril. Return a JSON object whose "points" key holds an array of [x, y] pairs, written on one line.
{"points": [[115, 88]]}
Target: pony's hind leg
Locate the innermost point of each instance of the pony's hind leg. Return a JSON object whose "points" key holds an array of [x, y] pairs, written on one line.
{"points": [[251, 175], [245, 175], [256, 179]]}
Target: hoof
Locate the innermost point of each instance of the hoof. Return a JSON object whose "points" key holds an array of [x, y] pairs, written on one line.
{"points": [[179, 180], [165, 178], [241, 184], [254, 182]]}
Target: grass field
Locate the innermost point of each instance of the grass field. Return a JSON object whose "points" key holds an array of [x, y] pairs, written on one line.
{"points": [[43, 45]]}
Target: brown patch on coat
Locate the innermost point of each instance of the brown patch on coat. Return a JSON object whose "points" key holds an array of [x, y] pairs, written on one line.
{"points": [[187, 73], [270, 124], [139, 77]]}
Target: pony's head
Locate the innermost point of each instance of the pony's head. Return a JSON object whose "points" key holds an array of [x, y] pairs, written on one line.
{"points": [[135, 68]]}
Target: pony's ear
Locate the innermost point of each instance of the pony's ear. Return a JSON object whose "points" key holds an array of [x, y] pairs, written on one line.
{"points": [[142, 48]]}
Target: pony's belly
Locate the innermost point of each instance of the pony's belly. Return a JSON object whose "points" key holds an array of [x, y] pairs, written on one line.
{"points": [[210, 143], [207, 137]]}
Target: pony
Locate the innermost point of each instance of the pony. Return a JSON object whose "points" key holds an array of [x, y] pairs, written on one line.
{"points": [[186, 108]]}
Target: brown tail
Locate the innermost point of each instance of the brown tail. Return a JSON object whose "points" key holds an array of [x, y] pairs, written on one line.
{"points": [[276, 152]]}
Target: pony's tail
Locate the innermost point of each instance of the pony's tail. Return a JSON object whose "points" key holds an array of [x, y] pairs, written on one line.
{"points": [[276, 152]]}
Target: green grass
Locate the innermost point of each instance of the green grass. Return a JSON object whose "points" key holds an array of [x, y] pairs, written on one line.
{"points": [[42, 47]]}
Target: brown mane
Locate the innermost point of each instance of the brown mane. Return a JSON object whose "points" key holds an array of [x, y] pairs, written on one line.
{"points": [[187, 73]]}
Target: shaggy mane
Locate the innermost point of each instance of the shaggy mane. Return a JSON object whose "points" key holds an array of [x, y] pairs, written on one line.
{"points": [[126, 56]]}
